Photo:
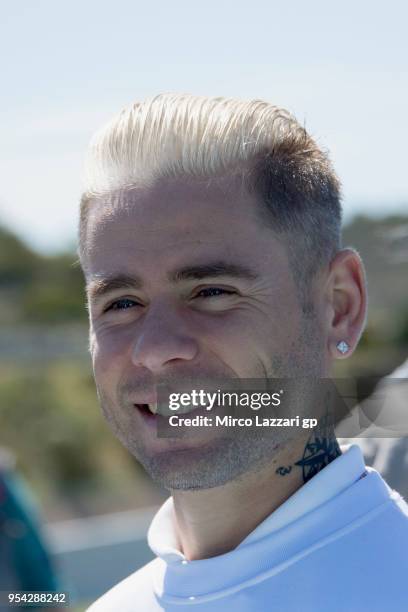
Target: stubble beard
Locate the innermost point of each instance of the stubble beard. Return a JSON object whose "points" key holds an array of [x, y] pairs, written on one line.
{"points": [[230, 456], [211, 464]]}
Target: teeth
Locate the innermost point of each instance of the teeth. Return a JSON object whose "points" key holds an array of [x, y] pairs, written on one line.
{"points": [[153, 407]]}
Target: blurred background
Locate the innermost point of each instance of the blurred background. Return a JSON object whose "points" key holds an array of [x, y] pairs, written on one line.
{"points": [[67, 488]]}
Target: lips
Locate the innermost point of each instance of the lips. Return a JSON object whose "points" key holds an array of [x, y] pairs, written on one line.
{"points": [[146, 402], [151, 412], [149, 418], [147, 409]]}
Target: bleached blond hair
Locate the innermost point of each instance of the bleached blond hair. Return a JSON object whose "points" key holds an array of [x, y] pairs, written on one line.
{"points": [[181, 135]]}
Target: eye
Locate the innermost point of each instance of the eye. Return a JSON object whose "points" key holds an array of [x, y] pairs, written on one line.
{"points": [[213, 292], [122, 304]]}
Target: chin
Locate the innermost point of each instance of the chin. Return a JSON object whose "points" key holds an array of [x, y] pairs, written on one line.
{"points": [[193, 469]]}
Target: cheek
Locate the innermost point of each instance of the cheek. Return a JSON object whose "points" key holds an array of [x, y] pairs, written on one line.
{"points": [[238, 337], [256, 324], [254, 338], [109, 351]]}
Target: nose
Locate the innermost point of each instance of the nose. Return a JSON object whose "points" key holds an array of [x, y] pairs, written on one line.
{"points": [[163, 338]]}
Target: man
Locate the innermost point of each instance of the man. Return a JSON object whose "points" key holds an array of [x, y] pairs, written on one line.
{"points": [[210, 244]]}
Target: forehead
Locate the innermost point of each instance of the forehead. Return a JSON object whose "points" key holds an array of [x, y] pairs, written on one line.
{"points": [[175, 221]]}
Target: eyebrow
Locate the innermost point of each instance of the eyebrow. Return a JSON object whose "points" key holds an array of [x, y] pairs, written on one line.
{"points": [[100, 285]]}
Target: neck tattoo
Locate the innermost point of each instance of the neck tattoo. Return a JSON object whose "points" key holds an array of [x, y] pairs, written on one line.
{"points": [[320, 450]]}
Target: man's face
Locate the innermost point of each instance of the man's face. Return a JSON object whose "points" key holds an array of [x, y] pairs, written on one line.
{"points": [[215, 298]]}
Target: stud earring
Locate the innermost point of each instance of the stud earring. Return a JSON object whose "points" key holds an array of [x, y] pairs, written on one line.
{"points": [[343, 347]]}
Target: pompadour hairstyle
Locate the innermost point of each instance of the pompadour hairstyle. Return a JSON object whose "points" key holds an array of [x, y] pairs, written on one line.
{"points": [[181, 135]]}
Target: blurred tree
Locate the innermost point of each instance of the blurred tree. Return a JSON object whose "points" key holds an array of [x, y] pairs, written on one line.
{"points": [[36, 288], [402, 337], [17, 262]]}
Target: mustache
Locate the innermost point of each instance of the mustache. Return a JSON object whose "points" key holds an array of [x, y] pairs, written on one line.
{"points": [[173, 382]]}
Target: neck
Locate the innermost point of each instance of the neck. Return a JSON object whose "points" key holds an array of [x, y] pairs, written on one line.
{"points": [[214, 521]]}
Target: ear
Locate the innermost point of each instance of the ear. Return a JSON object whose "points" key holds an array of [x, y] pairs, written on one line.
{"points": [[346, 293]]}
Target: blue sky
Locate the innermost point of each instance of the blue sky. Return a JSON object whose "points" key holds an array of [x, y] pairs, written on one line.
{"points": [[67, 67]]}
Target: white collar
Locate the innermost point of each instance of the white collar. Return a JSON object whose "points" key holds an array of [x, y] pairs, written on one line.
{"points": [[329, 482]]}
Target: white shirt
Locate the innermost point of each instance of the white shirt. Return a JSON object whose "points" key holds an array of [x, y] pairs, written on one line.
{"points": [[340, 543]]}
